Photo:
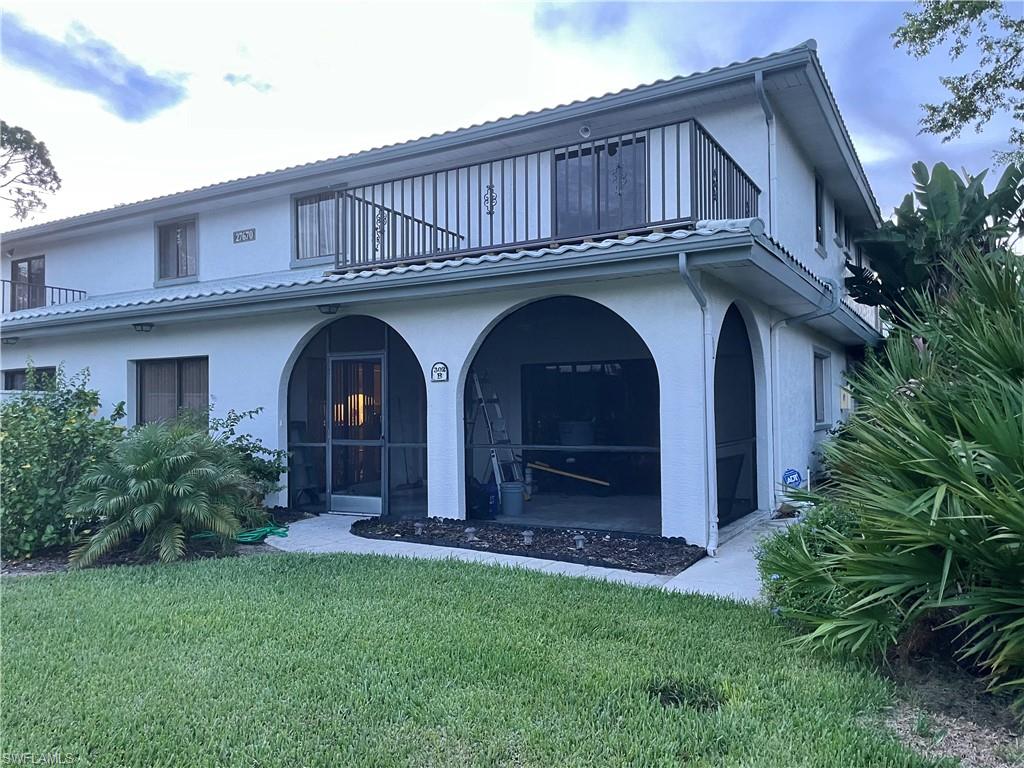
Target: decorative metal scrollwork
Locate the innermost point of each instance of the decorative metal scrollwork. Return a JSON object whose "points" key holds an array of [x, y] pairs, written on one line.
{"points": [[490, 200], [380, 227], [620, 179]]}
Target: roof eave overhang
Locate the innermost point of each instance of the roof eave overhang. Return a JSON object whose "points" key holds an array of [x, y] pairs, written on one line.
{"points": [[796, 57], [737, 249], [844, 142], [799, 292]]}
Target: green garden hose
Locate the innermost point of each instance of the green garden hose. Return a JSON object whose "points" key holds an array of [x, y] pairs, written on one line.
{"points": [[250, 536]]}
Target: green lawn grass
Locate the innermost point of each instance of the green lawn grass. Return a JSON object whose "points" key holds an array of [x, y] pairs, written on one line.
{"points": [[323, 660]]}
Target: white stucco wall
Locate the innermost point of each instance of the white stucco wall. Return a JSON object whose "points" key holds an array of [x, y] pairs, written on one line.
{"points": [[250, 360]]}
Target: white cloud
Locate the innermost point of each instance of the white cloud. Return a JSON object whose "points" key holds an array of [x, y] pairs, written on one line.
{"points": [[345, 77]]}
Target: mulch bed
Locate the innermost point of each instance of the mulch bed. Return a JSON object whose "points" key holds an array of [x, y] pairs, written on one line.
{"points": [[56, 560], [944, 712], [632, 552]]}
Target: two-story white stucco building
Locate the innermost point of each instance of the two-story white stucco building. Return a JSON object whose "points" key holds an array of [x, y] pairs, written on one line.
{"points": [[622, 313]]}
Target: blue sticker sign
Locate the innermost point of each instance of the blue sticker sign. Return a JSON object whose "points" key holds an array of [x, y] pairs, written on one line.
{"points": [[792, 478]]}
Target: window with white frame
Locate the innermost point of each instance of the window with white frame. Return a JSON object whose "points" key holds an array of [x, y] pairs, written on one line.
{"points": [[822, 370], [178, 250], [316, 226]]}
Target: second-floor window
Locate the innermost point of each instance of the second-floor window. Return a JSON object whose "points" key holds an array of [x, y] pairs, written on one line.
{"points": [[167, 387], [28, 278], [316, 226], [819, 212], [178, 249]]}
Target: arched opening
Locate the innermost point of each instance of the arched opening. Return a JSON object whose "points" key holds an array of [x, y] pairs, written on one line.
{"points": [[735, 420], [357, 423], [562, 421]]}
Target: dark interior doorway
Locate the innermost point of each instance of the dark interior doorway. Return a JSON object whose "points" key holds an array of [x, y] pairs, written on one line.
{"points": [[735, 420], [562, 421]]}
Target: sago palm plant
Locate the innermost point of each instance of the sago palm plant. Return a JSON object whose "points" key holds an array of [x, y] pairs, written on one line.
{"points": [[161, 484], [931, 469]]}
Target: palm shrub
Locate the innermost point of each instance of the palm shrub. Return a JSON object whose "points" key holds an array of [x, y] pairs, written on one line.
{"points": [[49, 435], [163, 483], [930, 471], [263, 465]]}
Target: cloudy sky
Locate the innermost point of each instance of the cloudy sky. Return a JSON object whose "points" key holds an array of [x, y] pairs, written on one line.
{"points": [[141, 99]]}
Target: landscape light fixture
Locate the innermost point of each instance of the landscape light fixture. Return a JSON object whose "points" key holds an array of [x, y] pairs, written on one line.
{"points": [[328, 309], [142, 327]]}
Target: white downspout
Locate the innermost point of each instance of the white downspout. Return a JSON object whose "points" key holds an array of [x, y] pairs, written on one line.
{"points": [[773, 162], [710, 481], [835, 302]]}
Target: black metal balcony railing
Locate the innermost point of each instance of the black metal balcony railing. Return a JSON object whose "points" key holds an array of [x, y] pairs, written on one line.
{"points": [[18, 295], [668, 176]]}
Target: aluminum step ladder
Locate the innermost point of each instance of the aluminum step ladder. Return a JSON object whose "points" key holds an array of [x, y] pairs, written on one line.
{"points": [[504, 462]]}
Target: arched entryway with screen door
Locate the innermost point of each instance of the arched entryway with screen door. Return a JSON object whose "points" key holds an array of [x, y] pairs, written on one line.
{"points": [[735, 420], [357, 423]]}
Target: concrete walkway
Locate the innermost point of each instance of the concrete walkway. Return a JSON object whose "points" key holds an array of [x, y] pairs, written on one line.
{"points": [[732, 573]]}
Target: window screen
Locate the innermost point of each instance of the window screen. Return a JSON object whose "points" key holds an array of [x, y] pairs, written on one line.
{"points": [[169, 386]]}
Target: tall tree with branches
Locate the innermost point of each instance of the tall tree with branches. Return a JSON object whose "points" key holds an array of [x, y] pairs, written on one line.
{"points": [[996, 86], [26, 171]]}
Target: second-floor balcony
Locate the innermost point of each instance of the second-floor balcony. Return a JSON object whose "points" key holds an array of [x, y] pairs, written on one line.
{"points": [[17, 295], [663, 177]]}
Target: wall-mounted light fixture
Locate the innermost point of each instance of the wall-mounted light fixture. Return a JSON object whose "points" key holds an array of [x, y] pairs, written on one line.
{"points": [[328, 309], [10, 339], [584, 131], [142, 327]]}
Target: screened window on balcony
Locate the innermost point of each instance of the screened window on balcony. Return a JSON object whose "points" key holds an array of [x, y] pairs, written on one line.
{"points": [[178, 249], [601, 188], [317, 226], [167, 387]]}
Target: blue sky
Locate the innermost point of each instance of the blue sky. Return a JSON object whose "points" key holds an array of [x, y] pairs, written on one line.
{"points": [[146, 99]]}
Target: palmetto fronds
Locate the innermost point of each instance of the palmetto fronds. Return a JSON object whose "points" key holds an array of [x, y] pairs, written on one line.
{"points": [[931, 467], [162, 483]]}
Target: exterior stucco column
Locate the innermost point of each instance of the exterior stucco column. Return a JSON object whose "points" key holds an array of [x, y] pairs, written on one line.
{"points": [[667, 317], [441, 332], [445, 447]]}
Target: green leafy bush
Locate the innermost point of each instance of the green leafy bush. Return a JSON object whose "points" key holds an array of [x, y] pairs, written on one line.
{"points": [[263, 465], [790, 579], [48, 438], [163, 483], [930, 469]]}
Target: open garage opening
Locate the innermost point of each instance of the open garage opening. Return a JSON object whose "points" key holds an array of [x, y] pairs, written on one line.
{"points": [[562, 424]]}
